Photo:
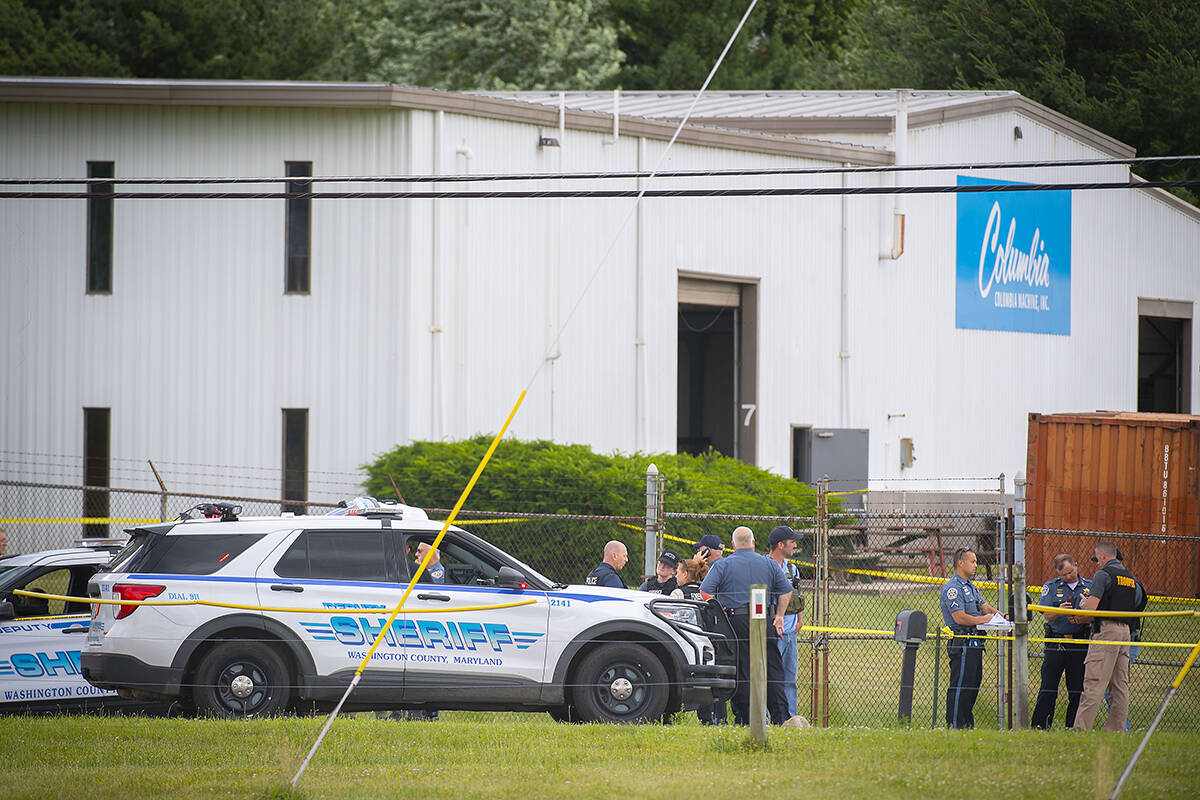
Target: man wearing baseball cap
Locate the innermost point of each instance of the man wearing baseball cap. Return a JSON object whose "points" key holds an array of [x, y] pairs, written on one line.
{"points": [[710, 547], [663, 581], [783, 545]]}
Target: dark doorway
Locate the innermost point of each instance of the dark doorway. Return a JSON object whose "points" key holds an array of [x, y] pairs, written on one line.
{"points": [[802, 453], [707, 379], [1164, 360], [96, 442], [295, 460]]}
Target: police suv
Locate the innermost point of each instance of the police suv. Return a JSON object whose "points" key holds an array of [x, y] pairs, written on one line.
{"points": [[271, 612], [41, 639]]}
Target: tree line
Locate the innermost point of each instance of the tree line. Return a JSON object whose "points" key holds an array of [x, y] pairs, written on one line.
{"points": [[1126, 67]]}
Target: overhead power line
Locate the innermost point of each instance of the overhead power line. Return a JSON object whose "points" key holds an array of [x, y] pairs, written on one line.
{"points": [[620, 175], [535, 194]]}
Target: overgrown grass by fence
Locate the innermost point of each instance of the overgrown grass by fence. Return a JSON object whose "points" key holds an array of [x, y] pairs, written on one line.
{"points": [[497, 756]]}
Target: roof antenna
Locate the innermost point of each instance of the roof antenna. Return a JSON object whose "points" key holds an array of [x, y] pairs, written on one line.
{"points": [[396, 489]]}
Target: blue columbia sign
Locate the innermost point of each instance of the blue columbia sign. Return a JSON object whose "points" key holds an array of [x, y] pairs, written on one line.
{"points": [[1013, 260]]}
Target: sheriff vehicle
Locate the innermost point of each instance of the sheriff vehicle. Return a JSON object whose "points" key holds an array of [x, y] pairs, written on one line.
{"points": [[41, 639], [271, 612]]}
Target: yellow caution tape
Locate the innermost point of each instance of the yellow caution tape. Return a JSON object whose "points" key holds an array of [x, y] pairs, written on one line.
{"points": [[689, 542], [859, 631], [948, 634], [873, 573], [1081, 612], [1186, 666], [1105, 641], [926, 579], [239, 606], [849, 492]]}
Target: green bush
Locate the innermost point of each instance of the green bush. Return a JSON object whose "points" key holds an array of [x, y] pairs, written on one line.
{"points": [[543, 477]]}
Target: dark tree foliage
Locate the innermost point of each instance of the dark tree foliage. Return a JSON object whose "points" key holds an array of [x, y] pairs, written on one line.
{"points": [[672, 44], [539, 476], [264, 39], [1129, 68]]}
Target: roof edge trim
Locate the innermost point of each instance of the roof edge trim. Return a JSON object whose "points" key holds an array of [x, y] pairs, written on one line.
{"points": [[1166, 198], [1032, 109], [384, 95]]}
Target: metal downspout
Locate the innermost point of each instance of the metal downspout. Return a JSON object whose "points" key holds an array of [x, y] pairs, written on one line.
{"points": [[641, 430], [435, 292], [843, 344]]}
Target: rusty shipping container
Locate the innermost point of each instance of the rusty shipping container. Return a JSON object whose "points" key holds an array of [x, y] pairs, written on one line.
{"points": [[1117, 472]]}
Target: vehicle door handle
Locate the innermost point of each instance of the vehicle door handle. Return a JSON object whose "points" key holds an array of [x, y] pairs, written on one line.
{"points": [[76, 629], [286, 587], [445, 598]]}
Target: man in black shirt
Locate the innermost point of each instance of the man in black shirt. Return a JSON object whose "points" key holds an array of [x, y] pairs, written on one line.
{"points": [[615, 557], [663, 582], [1107, 665]]}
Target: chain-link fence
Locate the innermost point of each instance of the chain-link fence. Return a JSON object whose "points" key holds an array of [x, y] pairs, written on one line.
{"points": [[860, 569]]}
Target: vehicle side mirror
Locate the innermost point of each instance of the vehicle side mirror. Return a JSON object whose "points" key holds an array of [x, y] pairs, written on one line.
{"points": [[509, 578], [6, 610]]}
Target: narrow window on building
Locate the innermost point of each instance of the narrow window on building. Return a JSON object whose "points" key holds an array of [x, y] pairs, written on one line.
{"points": [[295, 459], [298, 230], [100, 229], [96, 440]]}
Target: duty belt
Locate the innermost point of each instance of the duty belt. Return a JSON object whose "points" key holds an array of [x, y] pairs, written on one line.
{"points": [[743, 611]]}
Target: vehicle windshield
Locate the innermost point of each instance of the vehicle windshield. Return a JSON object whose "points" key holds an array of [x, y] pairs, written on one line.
{"points": [[137, 538], [7, 572]]}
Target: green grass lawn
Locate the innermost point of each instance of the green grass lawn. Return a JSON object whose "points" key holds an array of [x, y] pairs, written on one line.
{"points": [[470, 755]]}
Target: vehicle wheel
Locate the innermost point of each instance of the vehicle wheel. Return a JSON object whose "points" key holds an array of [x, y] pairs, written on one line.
{"points": [[620, 683], [241, 679]]}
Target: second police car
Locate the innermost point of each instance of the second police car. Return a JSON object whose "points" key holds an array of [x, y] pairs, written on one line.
{"points": [[41, 639], [296, 603]]}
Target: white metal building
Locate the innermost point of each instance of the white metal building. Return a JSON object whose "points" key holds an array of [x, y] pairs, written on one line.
{"points": [[243, 332]]}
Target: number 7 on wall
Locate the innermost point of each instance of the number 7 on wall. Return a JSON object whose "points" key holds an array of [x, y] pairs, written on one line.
{"points": [[749, 409]]}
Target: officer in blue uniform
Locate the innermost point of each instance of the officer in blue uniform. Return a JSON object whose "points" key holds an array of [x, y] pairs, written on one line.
{"points": [[729, 580], [615, 557], [963, 608], [1068, 590], [435, 572]]}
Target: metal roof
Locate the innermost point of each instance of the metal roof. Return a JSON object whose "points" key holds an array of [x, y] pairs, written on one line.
{"points": [[801, 103], [821, 114], [706, 133]]}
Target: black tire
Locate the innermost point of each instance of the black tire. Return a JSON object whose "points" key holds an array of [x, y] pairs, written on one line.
{"points": [[620, 683], [238, 680]]}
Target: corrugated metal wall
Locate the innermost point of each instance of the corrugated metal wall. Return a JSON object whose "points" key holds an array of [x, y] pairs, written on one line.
{"points": [[197, 349], [427, 321]]}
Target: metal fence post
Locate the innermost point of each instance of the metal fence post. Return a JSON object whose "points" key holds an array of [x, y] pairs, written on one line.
{"points": [[652, 521], [162, 502], [937, 670], [1001, 606], [661, 528], [758, 663], [824, 533], [1020, 612]]}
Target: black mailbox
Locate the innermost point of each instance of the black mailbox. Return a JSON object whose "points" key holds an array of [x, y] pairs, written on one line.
{"points": [[910, 627]]}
